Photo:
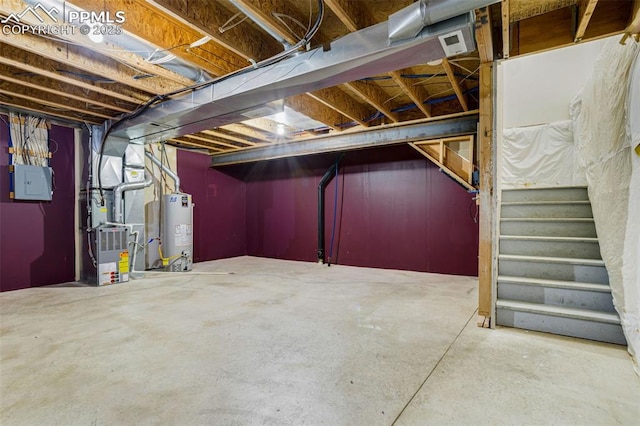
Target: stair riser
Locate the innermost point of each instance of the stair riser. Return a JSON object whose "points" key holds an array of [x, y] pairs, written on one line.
{"points": [[569, 298], [554, 271], [546, 194], [584, 250], [603, 332], [549, 229], [547, 210]]}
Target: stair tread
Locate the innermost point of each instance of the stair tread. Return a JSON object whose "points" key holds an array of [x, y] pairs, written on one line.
{"points": [[570, 260], [549, 238], [576, 285], [545, 188], [583, 314], [546, 219], [547, 202]]}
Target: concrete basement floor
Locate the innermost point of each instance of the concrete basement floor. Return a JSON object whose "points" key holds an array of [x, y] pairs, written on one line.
{"points": [[280, 342]]}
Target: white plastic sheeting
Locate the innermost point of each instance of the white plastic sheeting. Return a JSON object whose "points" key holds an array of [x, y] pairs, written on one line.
{"points": [[540, 156], [602, 123]]}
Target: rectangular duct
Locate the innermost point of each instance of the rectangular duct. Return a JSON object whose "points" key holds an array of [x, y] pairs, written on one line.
{"points": [[357, 55]]}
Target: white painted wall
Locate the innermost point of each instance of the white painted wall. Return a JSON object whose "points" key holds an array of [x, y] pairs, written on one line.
{"points": [[537, 88]]}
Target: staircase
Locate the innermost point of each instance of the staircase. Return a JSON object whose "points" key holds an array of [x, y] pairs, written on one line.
{"points": [[551, 276]]}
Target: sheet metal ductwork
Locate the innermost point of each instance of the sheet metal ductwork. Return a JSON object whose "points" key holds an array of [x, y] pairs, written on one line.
{"points": [[408, 22], [357, 55]]}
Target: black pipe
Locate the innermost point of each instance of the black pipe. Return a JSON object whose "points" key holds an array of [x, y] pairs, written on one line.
{"points": [[321, 187]]}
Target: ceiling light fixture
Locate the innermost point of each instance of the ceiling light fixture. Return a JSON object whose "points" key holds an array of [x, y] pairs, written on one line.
{"points": [[434, 63], [280, 129]]}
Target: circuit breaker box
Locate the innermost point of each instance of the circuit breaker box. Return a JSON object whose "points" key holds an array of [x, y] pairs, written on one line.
{"points": [[31, 182], [112, 255]]}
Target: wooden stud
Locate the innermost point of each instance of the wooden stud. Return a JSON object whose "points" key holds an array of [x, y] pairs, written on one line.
{"points": [[310, 107], [373, 95], [9, 58], [471, 159], [505, 29], [195, 144], [77, 57], [107, 49], [417, 94], [342, 103], [213, 142], [243, 130], [454, 83], [268, 21], [222, 135], [36, 108], [59, 104], [69, 92], [586, 7], [208, 17], [484, 35], [487, 208]]}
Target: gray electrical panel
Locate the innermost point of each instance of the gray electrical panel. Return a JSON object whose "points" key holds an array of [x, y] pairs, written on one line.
{"points": [[32, 182], [112, 255]]}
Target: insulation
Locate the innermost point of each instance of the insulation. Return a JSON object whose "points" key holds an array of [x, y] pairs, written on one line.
{"points": [[540, 156], [602, 123]]}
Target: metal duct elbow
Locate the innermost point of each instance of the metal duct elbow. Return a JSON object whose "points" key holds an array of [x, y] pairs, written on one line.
{"points": [[118, 192], [408, 22], [165, 169]]}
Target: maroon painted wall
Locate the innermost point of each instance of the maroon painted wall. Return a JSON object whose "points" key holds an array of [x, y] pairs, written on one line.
{"points": [[219, 212], [37, 238], [395, 210]]}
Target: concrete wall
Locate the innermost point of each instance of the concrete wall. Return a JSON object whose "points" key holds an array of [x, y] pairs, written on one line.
{"points": [[37, 238]]}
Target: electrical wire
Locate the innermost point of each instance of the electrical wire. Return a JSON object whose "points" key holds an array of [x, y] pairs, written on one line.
{"points": [[112, 125]]}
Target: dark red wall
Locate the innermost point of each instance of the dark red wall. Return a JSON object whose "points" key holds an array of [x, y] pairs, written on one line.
{"points": [[395, 210], [219, 212], [37, 238]]}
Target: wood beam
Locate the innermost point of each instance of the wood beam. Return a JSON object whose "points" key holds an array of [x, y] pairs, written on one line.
{"points": [[399, 133], [486, 134], [505, 29], [16, 58], [56, 103], [484, 35], [162, 30], [247, 131], [454, 83], [37, 109], [106, 49], [586, 8], [343, 104], [208, 17], [374, 96], [45, 85], [214, 142], [268, 21], [350, 13], [184, 141], [553, 29], [310, 107], [88, 63], [417, 94], [222, 135]]}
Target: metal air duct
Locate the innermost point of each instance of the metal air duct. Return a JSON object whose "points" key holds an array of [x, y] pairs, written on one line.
{"points": [[357, 55]]}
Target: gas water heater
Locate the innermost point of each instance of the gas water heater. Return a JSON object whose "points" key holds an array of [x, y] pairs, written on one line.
{"points": [[177, 232]]}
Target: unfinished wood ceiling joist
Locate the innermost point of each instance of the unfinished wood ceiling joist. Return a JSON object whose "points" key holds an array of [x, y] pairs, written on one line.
{"points": [[72, 78]]}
